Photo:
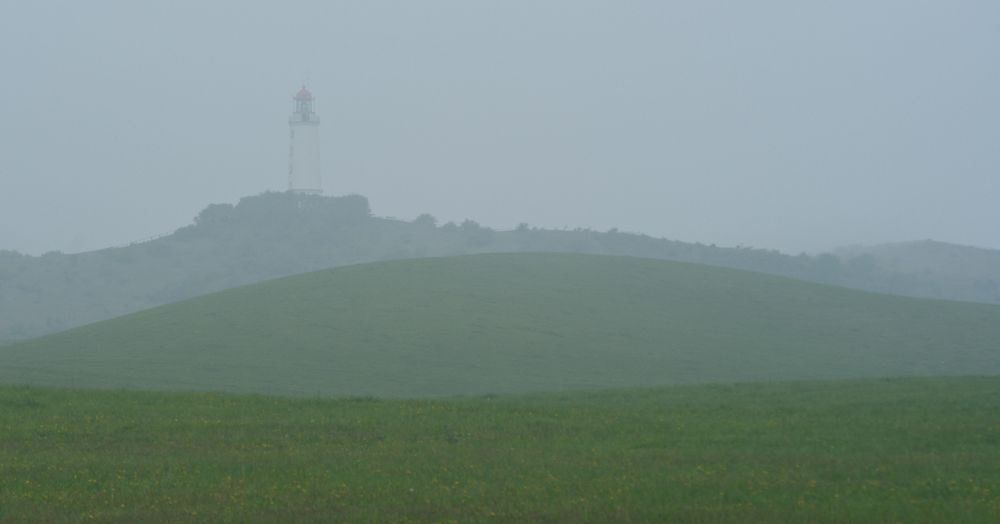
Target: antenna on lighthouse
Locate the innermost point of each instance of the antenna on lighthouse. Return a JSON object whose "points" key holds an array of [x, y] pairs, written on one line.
{"points": [[304, 174]]}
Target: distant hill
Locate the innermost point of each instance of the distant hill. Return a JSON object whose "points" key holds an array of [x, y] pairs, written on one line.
{"points": [[508, 323], [279, 234], [959, 272]]}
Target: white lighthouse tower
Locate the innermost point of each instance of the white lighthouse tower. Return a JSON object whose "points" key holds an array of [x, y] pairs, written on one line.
{"points": [[303, 155]]}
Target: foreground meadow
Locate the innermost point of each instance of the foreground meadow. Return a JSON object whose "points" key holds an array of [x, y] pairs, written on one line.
{"points": [[879, 451]]}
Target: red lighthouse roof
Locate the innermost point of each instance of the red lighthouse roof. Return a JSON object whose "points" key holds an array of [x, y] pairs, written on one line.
{"points": [[303, 94]]}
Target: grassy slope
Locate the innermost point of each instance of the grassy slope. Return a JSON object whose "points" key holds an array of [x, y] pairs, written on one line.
{"points": [[513, 323], [915, 450]]}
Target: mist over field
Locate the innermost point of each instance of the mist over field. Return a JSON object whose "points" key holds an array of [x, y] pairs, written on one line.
{"points": [[769, 124], [468, 261]]}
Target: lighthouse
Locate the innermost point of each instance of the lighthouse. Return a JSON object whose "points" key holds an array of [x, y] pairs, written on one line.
{"points": [[303, 154]]}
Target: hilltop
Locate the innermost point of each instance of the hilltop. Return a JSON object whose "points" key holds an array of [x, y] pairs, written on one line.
{"points": [[510, 323], [279, 234]]}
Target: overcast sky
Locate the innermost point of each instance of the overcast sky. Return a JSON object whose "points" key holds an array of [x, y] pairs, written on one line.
{"points": [[779, 124]]}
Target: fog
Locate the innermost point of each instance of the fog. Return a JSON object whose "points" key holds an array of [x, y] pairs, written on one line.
{"points": [[787, 125]]}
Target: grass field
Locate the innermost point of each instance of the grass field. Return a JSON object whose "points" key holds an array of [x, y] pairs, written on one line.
{"points": [[912, 450], [511, 324]]}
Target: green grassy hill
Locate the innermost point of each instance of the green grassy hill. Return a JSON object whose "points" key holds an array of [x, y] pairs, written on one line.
{"points": [[275, 235], [513, 323], [915, 450]]}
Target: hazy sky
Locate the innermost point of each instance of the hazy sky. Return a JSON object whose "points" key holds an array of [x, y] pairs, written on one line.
{"points": [[790, 125]]}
